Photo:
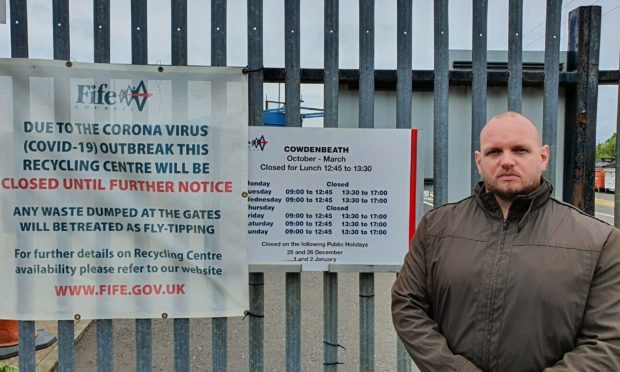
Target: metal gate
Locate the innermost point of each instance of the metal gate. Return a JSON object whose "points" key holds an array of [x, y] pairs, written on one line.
{"points": [[581, 83]]}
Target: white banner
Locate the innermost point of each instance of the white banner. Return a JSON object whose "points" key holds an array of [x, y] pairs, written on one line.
{"points": [[331, 196], [121, 191]]}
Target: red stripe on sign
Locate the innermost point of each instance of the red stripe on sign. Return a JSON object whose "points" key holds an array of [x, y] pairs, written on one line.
{"points": [[412, 182]]}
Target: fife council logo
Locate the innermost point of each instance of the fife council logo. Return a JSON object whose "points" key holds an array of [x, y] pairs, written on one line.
{"points": [[100, 97], [257, 143]]}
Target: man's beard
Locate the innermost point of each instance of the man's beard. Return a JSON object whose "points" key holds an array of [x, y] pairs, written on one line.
{"points": [[509, 193]]}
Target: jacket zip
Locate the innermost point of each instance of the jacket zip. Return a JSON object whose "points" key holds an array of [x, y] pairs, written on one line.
{"points": [[492, 293]]}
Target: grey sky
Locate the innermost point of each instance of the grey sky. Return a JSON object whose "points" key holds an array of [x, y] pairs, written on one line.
{"points": [[81, 12]]}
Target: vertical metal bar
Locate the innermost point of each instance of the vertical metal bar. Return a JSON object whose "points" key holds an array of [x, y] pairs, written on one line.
{"points": [[479, 80], [218, 32], [367, 64], [181, 345], [403, 358], [617, 191], [144, 342], [291, 63], [139, 56], [66, 346], [255, 62], [19, 49], [256, 339], [330, 95], [440, 107], [293, 119], [104, 345], [331, 88], [27, 360], [219, 335], [179, 58], [404, 61], [60, 14], [19, 28], [179, 32], [515, 54], [367, 321], [139, 33], [403, 105], [62, 51], [101, 30], [366, 120], [293, 322], [580, 148], [570, 126], [3, 12], [257, 323], [330, 322], [219, 326], [552, 83]]}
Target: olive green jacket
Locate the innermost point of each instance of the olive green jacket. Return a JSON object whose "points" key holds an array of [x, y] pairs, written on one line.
{"points": [[538, 290]]}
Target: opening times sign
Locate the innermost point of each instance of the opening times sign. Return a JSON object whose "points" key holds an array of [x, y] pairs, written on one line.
{"points": [[121, 191], [331, 196]]}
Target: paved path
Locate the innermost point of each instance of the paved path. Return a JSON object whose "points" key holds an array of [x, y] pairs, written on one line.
{"points": [[604, 207]]}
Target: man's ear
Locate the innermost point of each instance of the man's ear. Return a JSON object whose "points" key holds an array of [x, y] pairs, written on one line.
{"points": [[478, 157], [544, 157]]}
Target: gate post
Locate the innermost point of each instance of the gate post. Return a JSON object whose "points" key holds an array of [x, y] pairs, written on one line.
{"points": [[581, 102]]}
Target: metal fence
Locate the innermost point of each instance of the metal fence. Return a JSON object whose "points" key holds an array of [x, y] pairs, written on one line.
{"points": [[581, 82]]}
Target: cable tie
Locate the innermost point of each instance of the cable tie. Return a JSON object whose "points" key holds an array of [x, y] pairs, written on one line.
{"points": [[246, 70], [336, 345], [367, 296], [249, 313], [331, 363], [256, 284]]}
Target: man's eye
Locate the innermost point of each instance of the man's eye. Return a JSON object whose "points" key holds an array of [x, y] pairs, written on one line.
{"points": [[521, 151], [493, 152]]}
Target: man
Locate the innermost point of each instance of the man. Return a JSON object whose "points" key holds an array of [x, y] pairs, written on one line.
{"points": [[510, 279]]}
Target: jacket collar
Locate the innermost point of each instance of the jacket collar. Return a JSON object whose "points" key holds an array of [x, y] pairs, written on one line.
{"points": [[521, 205]]}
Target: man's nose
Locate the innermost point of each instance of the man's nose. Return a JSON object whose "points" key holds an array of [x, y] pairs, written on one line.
{"points": [[507, 160]]}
